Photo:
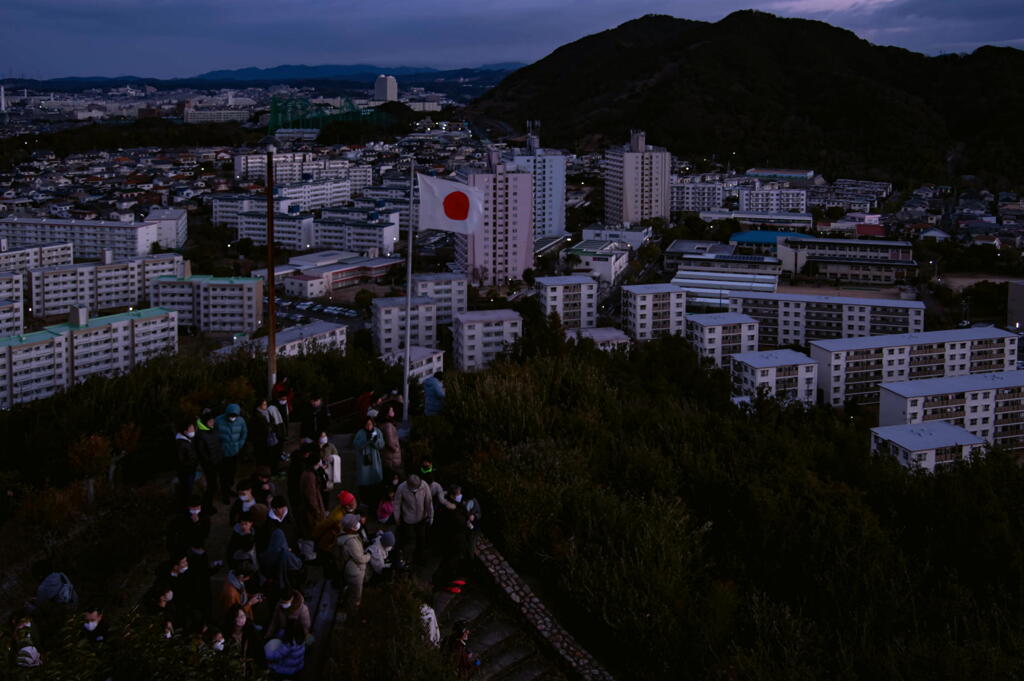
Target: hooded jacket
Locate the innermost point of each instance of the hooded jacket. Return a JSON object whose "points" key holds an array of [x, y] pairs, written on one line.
{"points": [[232, 434], [208, 445], [413, 503], [353, 557]]}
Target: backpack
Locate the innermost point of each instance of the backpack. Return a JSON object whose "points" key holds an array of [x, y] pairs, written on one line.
{"points": [[57, 589], [66, 594]]}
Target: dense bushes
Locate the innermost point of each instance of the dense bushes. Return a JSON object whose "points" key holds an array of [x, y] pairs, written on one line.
{"points": [[687, 536]]}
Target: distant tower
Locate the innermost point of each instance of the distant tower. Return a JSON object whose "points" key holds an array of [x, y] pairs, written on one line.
{"points": [[385, 89], [3, 99], [231, 97]]}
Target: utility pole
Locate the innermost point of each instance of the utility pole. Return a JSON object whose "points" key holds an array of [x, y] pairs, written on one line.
{"points": [[408, 297], [271, 292]]}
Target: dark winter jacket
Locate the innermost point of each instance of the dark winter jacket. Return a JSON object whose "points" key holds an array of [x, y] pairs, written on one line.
{"points": [[232, 433], [208, 446]]}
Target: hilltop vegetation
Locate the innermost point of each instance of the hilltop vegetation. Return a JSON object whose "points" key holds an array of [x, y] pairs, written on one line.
{"points": [[777, 91]]}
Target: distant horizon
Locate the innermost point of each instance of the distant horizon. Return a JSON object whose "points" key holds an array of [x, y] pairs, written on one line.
{"points": [[162, 41]]}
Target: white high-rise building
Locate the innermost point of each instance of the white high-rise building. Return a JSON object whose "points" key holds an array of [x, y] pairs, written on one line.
{"points": [[695, 197], [357, 231], [653, 310], [12, 309], [293, 231], [448, 290], [481, 334], [500, 251], [102, 285], [293, 167], [637, 182], [21, 259], [548, 170], [211, 304], [389, 323], [718, 335], [90, 237], [40, 364], [573, 298], [385, 89]]}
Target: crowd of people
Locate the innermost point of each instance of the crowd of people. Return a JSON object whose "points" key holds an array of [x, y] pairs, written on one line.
{"points": [[292, 513]]}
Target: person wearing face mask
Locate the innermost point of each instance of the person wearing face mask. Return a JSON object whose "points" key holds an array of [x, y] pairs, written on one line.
{"points": [[94, 626], [159, 603], [242, 544], [186, 458], [269, 431], [240, 636], [247, 502], [175, 575], [211, 456], [233, 433], [190, 527], [263, 485], [315, 417], [391, 454], [291, 607], [279, 561], [332, 463], [235, 591], [352, 558]]}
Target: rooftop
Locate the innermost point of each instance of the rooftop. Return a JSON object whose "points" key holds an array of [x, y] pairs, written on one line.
{"points": [[917, 437], [399, 301], [55, 330], [488, 316], [719, 318], [209, 278], [566, 280], [32, 220], [834, 300], [652, 288], [857, 242], [772, 358], [896, 339], [955, 384], [764, 236]]}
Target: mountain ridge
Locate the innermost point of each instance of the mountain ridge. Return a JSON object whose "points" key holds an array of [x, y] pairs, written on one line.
{"points": [[775, 90]]}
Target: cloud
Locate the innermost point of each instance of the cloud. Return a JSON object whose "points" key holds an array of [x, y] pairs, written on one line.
{"points": [[166, 38]]}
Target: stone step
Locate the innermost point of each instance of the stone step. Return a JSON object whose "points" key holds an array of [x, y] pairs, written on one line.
{"points": [[442, 601], [510, 655], [489, 632], [468, 608]]}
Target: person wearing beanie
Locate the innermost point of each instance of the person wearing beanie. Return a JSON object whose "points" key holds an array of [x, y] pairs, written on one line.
{"points": [[413, 512], [347, 501], [352, 558]]}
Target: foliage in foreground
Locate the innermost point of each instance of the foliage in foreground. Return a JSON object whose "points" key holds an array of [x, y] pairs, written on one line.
{"points": [[681, 535]]}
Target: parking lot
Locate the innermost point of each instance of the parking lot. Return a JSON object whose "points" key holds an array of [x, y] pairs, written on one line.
{"points": [[292, 312]]}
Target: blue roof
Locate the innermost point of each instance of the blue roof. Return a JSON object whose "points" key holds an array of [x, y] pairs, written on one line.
{"points": [[764, 236]]}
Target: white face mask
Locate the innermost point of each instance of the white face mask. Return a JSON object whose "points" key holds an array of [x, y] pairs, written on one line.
{"points": [[248, 503], [91, 626], [218, 645], [282, 402], [190, 434], [169, 597], [194, 511], [286, 605], [458, 498], [323, 441], [182, 571], [232, 418]]}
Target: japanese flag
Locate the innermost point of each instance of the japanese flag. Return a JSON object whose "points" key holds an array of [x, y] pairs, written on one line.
{"points": [[450, 206]]}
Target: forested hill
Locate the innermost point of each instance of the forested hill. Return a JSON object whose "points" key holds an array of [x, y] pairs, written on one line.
{"points": [[777, 91]]}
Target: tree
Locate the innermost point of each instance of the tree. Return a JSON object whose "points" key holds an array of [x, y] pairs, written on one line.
{"points": [[529, 276], [363, 299]]}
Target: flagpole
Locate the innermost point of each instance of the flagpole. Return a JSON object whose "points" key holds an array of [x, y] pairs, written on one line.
{"points": [[408, 296]]}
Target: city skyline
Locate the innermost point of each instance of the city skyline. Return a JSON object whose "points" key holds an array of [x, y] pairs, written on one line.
{"points": [[163, 39]]}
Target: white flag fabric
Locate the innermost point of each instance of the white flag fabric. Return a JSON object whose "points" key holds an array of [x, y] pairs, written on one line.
{"points": [[450, 206]]}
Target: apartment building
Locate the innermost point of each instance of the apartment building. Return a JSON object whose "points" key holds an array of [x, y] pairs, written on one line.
{"points": [[423, 362], [573, 298], [865, 261], [926, 446], [21, 259], [850, 369], [317, 282], [606, 338], [39, 364], [503, 249], [12, 316], [315, 195], [293, 231], [375, 233], [603, 260], [717, 335], [547, 168], [786, 375], [211, 304], [103, 285], [694, 197], [653, 310], [990, 406], [797, 319], [90, 237], [389, 323], [481, 334], [633, 236], [773, 200], [449, 292], [637, 181], [172, 226], [317, 336]]}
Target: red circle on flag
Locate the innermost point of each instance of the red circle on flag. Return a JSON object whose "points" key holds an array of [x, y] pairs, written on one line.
{"points": [[456, 206]]}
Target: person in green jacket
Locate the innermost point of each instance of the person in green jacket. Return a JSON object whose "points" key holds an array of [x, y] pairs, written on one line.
{"points": [[233, 433]]}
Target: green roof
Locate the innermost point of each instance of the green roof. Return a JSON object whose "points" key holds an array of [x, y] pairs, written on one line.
{"points": [[55, 330]]}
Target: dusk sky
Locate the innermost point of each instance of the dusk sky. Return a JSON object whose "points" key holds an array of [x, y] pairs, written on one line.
{"points": [[170, 38]]}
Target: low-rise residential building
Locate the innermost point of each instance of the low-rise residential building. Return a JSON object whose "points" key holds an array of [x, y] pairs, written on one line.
{"points": [[695, 197], [633, 236], [39, 364], [12, 317], [606, 338], [211, 304], [317, 336], [293, 231], [90, 237], [787, 375], [754, 219], [423, 362], [324, 280], [315, 195], [773, 200], [481, 334], [389, 323], [172, 226], [866, 261], [653, 310], [926, 446], [448, 290], [850, 369], [21, 259], [103, 285], [573, 298], [717, 335], [990, 406], [797, 319], [762, 241], [372, 233], [603, 260]]}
